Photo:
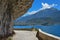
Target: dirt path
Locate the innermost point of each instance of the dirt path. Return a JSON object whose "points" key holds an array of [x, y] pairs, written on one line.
{"points": [[25, 35]]}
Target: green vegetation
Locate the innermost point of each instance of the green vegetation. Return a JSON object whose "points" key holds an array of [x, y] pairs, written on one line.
{"points": [[10, 38]]}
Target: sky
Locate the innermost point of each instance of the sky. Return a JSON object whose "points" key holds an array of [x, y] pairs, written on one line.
{"points": [[43, 4], [37, 4]]}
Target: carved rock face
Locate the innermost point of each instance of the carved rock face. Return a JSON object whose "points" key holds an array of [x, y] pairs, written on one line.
{"points": [[21, 7], [18, 7]]}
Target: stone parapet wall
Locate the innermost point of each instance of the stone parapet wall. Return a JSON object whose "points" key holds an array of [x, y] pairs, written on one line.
{"points": [[42, 36]]}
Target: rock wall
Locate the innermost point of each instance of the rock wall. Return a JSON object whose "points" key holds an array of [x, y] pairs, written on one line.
{"points": [[9, 11]]}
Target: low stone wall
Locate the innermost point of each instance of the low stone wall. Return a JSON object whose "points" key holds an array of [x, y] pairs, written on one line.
{"points": [[42, 36]]}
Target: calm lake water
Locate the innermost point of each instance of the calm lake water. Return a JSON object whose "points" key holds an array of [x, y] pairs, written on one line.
{"points": [[54, 29]]}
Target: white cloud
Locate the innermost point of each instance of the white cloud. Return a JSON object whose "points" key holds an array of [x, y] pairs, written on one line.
{"points": [[33, 12], [30, 13], [44, 6]]}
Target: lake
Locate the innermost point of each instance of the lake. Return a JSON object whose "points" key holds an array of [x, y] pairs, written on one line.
{"points": [[54, 29]]}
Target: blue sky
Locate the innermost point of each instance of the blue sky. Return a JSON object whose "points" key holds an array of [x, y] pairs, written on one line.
{"points": [[37, 4]]}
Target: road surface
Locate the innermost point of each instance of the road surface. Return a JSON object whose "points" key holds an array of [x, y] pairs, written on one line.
{"points": [[25, 35]]}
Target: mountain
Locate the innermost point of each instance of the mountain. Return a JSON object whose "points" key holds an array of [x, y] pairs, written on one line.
{"points": [[42, 17]]}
